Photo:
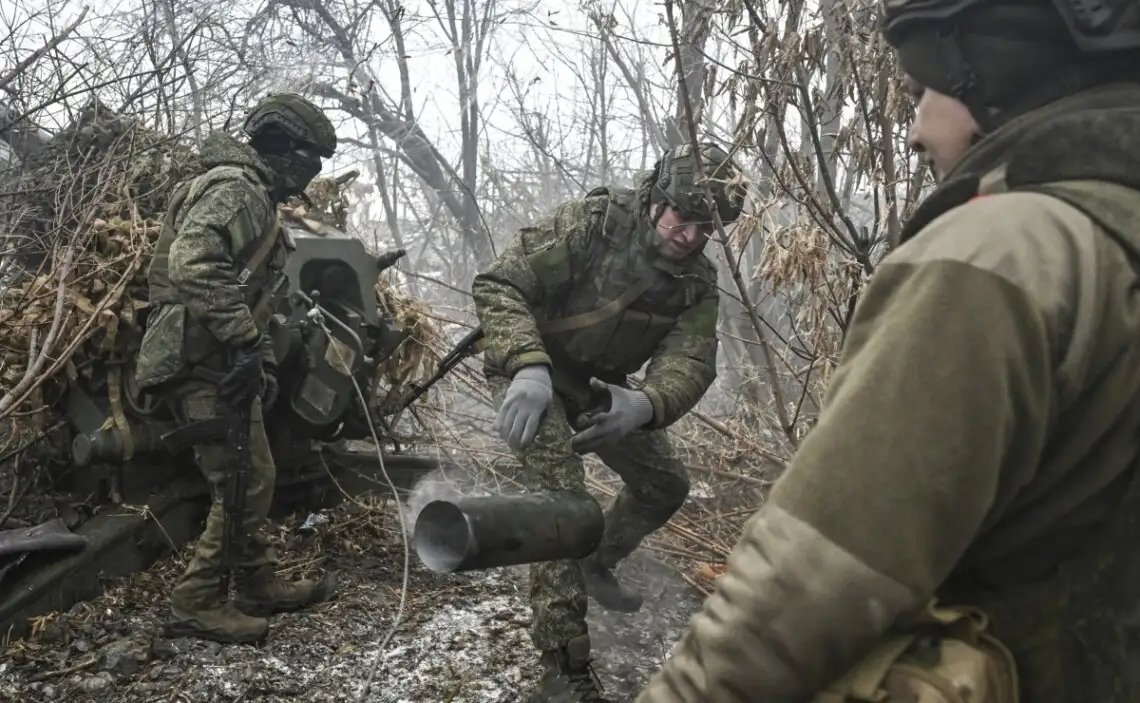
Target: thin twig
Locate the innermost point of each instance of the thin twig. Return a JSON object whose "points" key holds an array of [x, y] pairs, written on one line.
{"points": [[42, 51], [766, 348]]}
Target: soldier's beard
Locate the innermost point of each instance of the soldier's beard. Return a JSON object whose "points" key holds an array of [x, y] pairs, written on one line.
{"points": [[677, 252]]}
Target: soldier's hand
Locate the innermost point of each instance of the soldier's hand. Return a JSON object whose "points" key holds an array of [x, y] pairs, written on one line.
{"points": [[246, 378], [629, 410], [527, 398]]}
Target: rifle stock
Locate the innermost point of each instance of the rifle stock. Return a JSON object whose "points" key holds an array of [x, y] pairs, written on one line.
{"points": [[465, 348]]}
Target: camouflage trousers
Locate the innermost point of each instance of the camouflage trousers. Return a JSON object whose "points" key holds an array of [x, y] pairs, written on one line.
{"points": [[200, 585], [656, 486]]}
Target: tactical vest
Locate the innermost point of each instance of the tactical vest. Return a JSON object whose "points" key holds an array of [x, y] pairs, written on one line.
{"points": [[258, 263], [252, 259], [613, 306]]}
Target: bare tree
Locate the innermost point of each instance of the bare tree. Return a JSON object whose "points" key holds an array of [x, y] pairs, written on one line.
{"points": [[342, 33]]}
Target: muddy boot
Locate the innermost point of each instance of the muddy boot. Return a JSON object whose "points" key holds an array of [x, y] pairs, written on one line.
{"points": [[602, 585], [209, 618], [262, 593], [567, 676]]}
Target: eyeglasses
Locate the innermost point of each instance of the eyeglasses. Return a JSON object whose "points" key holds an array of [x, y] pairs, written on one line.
{"points": [[705, 226]]}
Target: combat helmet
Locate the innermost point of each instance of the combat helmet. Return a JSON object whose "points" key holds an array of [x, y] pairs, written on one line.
{"points": [[1094, 25], [675, 183], [1006, 57], [296, 116]]}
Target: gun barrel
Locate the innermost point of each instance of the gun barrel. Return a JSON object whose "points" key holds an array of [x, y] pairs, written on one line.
{"points": [[484, 532], [386, 261]]}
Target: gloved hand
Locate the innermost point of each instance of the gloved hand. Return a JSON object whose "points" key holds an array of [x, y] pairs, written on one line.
{"points": [[529, 394], [628, 411], [246, 378], [269, 398]]}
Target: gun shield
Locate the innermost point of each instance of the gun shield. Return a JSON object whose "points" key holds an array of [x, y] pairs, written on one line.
{"points": [[472, 533]]}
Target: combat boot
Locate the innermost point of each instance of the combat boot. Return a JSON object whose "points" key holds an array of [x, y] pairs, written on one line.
{"points": [[263, 593], [567, 676], [602, 585], [198, 610]]}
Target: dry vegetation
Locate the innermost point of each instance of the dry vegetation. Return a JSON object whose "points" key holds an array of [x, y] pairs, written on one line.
{"points": [[805, 96]]}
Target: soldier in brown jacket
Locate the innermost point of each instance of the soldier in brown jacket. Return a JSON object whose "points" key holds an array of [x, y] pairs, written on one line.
{"points": [[979, 441]]}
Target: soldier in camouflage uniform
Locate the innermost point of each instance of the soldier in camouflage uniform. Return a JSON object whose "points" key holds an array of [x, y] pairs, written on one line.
{"points": [[220, 250], [980, 440], [580, 300]]}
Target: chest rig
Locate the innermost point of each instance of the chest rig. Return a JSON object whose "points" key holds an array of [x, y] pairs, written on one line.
{"points": [[612, 305]]}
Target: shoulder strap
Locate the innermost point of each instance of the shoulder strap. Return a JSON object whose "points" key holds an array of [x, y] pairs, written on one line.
{"points": [[615, 217], [264, 246], [613, 308], [251, 258]]}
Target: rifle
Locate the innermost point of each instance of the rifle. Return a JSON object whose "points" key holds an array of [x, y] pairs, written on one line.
{"points": [[461, 351], [238, 460], [237, 483]]}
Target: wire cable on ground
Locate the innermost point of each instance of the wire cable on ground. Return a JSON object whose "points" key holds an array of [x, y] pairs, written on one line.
{"points": [[317, 316]]}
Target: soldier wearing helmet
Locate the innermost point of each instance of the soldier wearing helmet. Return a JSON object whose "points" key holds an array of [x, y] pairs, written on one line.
{"points": [[961, 523], [579, 301], [211, 281]]}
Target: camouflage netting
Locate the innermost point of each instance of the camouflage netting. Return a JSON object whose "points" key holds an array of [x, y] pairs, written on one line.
{"points": [[84, 217], [328, 212]]}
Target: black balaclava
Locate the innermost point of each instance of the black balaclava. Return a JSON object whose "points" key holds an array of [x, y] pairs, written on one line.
{"points": [[292, 172]]}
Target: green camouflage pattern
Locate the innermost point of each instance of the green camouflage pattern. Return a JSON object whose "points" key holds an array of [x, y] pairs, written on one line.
{"points": [[198, 308], [576, 260], [656, 485], [296, 116], [677, 183], [200, 586]]}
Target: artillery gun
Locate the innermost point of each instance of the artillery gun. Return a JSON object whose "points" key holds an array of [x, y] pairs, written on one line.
{"points": [[118, 427], [329, 337]]}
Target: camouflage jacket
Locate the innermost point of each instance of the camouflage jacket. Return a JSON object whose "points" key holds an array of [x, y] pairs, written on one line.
{"points": [[555, 297], [976, 444], [216, 224]]}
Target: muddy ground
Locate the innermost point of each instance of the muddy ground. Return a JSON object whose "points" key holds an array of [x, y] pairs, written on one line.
{"points": [[463, 637]]}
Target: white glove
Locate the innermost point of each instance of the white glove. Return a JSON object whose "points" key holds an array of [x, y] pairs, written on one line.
{"points": [[629, 410], [527, 399]]}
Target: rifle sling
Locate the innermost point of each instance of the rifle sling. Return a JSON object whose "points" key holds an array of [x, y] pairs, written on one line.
{"points": [[267, 296], [612, 309], [264, 243], [264, 246], [200, 432]]}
